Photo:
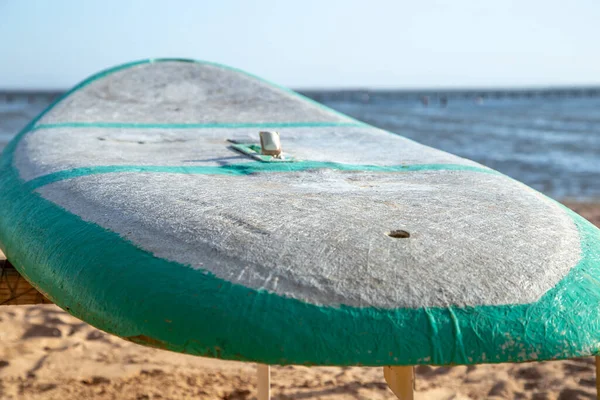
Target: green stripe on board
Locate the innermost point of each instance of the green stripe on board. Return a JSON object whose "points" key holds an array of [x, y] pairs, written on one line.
{"points": [[136, 125], [245, 169]]}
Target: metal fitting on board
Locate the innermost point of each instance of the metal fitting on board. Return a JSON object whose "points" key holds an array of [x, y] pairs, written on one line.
{"points": [[270, 143]]}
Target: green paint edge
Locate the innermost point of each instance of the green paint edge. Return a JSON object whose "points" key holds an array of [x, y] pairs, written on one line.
{"points": [[246, 168], [126, 291]]}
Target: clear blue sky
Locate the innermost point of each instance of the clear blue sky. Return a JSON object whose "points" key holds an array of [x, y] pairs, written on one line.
{"points": [[310, 43]]}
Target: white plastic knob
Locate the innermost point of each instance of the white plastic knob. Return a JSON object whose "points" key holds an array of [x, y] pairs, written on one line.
{"points": [[270, 143]]}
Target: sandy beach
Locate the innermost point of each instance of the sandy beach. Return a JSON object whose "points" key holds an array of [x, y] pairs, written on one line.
{"points": [[47, 354]]}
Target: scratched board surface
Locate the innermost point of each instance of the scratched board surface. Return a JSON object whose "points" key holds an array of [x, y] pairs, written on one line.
{"points": [[126, 205]]}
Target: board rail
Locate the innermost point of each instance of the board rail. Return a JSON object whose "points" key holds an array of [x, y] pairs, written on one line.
{"points": [[16, 290]]}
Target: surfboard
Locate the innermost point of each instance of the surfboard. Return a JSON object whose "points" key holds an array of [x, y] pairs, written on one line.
{"points": [[143, 202]]}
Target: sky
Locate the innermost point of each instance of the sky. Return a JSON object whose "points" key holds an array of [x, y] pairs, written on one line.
{"points": [[54, 44]]}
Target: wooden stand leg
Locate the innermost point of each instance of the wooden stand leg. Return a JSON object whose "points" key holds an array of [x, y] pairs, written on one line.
{"points": [[14, 289], [264, 381], [401, 381], [598, 377]]}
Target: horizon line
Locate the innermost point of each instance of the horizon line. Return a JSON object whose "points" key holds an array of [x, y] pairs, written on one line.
{"points": [[407, 90]]}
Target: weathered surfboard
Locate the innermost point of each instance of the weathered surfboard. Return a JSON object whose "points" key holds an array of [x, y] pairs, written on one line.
{"points": [[127, 204]]}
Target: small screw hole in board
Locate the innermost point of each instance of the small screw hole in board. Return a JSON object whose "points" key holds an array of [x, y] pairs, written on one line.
{"points": [[398, 234]]}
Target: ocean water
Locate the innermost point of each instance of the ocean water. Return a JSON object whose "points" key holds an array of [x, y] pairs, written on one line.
{"points": [[550, 142]]}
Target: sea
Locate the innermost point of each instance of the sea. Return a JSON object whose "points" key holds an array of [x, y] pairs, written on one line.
{"points": [[548, 139]]}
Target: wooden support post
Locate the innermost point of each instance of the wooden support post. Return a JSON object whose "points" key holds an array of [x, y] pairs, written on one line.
{"points": [[264, 381], [14, 289], [401, 381], [598, 377]]}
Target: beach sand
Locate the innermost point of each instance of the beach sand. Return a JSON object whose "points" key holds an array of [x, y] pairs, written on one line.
{"points": [[47, 354]]}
